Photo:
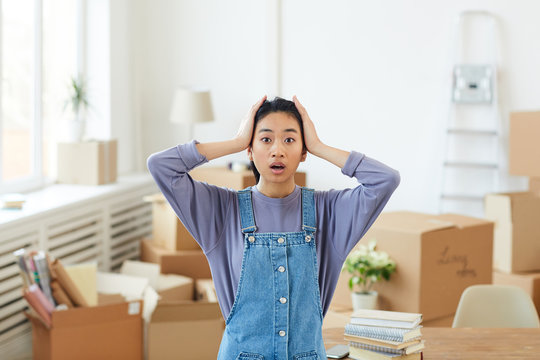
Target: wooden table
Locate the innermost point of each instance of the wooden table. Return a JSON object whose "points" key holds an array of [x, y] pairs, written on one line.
{"points": [[467, 343]]}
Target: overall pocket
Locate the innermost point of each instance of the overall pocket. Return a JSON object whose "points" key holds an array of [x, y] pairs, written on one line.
{"points": [[249, 356], [309, 355]]}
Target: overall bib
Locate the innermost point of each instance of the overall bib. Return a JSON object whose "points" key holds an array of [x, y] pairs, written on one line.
{"points": [[277, 313]]}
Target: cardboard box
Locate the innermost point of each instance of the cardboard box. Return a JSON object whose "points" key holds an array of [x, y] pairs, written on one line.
{"points": [[87, 163], [524, 147], [437, 257], [534, 186], [516, 245], [191, 263], [113, 331], [222, 176], [185, 330], [530, 282], [168, 231], [172, 287]]}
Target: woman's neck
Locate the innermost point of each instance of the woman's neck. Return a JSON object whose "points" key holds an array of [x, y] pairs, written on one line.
{"points": [[276, 190]]}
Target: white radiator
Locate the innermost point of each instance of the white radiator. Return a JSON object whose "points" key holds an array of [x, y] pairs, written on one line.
{"points": [[106, 230]]}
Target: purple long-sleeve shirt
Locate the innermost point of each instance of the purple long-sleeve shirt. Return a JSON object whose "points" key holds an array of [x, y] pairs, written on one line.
{"points": [[210, 213]]}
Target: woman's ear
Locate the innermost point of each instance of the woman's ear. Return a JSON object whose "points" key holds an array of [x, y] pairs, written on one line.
{"points": [[304, 155], [250, 153]]}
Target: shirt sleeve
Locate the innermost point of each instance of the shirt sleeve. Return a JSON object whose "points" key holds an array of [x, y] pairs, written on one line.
{"points": [[201, 207], [349, 213]]}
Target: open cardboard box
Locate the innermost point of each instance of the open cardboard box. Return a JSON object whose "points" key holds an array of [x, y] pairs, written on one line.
{"points": [[111, 330], [185, 330], [437, 257]]}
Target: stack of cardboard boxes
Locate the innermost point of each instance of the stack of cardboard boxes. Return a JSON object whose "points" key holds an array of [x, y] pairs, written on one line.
{"points": [[437, 257], [190, 325], [516, 255]]}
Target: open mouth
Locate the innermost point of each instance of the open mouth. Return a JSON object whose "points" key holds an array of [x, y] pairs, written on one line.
{"points": [[277, 168]]}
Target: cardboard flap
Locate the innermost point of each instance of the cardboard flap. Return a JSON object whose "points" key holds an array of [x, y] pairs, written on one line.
{"points": [[83, 316], [411, 222], [185, 311], [462, 221], [142, 269], [172, 280], [131, 287], [84, 275], [108, 299]]}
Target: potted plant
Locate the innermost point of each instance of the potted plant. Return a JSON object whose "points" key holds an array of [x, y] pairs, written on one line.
{"points": [[78, 102], [367, 266]]}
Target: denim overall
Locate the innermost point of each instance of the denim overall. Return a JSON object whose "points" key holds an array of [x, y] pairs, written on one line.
{"points": [[277, 310]]}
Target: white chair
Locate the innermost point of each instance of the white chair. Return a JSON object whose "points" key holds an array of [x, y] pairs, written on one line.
{"points": [[495, 306]]}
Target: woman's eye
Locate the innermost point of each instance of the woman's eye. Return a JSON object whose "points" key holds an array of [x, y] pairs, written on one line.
{"points": [[289, 140], [265, 139]]}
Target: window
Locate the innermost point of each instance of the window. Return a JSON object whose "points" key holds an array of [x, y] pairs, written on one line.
{"points": [[39, 47]]}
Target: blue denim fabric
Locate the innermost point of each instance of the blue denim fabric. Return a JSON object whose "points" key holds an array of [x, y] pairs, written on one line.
{"points": [[276, 314]]}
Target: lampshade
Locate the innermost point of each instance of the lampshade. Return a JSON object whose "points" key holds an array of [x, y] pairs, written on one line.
{"points": [[191, 106]]}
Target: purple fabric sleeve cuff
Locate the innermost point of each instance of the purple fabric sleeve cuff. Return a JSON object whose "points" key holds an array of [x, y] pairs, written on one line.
{"points": [[354, 159], [191, 155]]}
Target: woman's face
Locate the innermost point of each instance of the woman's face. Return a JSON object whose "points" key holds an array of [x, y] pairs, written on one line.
{"points": [[277, 147]]}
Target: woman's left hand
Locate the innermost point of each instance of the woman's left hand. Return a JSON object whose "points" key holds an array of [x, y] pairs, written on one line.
{"points": [[310, 135]]}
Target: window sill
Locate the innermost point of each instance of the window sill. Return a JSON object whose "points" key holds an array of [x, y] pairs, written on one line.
{"points": [[60, 196]]}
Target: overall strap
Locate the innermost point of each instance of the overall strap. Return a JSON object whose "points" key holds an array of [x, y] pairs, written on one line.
{"points": [[247, 219], [308, 210]]}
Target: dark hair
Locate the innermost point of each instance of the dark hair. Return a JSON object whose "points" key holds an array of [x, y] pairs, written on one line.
{"points": [[272, 106]]}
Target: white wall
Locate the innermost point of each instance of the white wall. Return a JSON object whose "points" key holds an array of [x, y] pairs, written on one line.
{"points": [[110, 72], [374, 76], [214, 44]]}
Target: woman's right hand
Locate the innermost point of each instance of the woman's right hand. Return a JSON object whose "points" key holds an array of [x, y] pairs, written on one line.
{"points": [[245, 132]]}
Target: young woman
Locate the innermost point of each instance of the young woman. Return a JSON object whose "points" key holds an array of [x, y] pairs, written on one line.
{"points": [[275, 249]]}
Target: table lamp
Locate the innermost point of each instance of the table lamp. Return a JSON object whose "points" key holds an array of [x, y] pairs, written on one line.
{"points": [[191, 106]]}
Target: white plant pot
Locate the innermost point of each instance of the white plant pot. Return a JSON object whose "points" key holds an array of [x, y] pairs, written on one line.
{"points": [[75, 130], [364, 301]]}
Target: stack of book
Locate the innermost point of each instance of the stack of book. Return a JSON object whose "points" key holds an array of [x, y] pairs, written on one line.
{"points": [[12, 201], [384, 335]]}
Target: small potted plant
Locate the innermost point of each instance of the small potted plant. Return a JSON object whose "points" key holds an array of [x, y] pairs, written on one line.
{"points": [[78, 102], [367, 266]]}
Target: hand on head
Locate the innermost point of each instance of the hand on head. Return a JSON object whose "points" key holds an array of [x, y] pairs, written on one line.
{"points": [[310, 134], [245, 132]]}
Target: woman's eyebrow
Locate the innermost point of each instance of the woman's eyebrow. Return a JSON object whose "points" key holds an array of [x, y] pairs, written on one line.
{"points": [[270, 130]]}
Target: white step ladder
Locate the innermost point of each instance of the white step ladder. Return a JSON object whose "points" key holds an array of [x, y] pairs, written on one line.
{"points": [[472, 155]]}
